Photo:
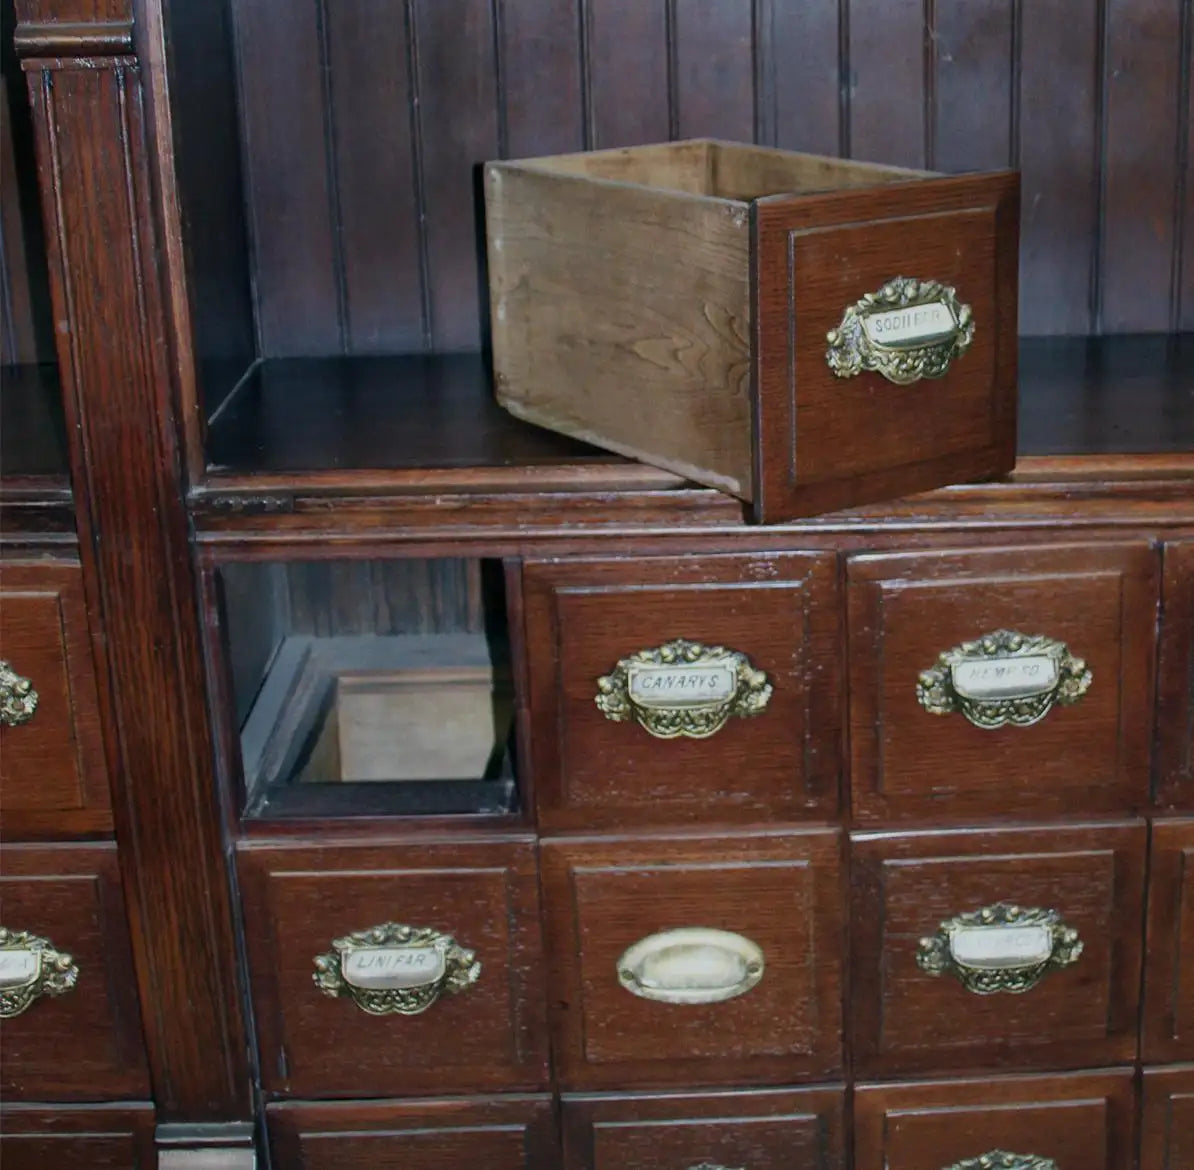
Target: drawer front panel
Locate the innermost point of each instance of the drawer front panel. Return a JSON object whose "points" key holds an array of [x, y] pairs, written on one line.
{"points": [[1083, 1121], [828, 441], [585, 618], [74, 1032], [940, 985], [52, 770], [679, 1009], [958, 711], [1168, 1018], [450, 1026], [508, 1133], [104, 1137], [771, 1129], [1175, 685], [1167, 1132]]}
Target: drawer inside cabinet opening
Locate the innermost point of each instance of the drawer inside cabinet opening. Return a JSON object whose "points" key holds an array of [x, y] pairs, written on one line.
{"points": [[370, 687]]}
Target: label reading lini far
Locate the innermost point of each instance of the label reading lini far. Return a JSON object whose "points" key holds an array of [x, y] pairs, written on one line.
{"points": [[674, 686], [393, 967], [914, 325]]}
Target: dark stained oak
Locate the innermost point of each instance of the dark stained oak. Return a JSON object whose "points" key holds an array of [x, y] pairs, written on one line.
{"points": [[1167, 1121], [1167, 1028], [299, 896], [497, 1133], [583, 616], [83, 1137], [86, 1044], [905, 609], [905, 1020], [1086, 1120], [767, 1129], [780, 889], [1174, 749]]}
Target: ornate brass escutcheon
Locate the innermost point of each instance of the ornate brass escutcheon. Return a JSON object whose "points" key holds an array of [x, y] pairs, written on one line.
{"points": [[683, 688], [691, 965], [1003, 677], [30, 968], [1000, 948], [908, 330], [394, 969], [1001, 1160], [18, 699]]}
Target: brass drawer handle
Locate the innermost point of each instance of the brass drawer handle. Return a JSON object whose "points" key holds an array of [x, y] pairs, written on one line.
{"points": [[30, 968], [18, 699], [1003, 677], [691, 965], [683, 688], [1001, 1160], [1000, 948], [395, 969], [908, 330]]}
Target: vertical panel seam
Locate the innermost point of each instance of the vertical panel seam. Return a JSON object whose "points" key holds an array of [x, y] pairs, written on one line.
{"points": [[1183, 225], [584, 33], [762, 49], [1016, 55], [1102, 104], [332, 173], [497, 20], [930, 84], [844, 82], [416, 141], [673, 82]]}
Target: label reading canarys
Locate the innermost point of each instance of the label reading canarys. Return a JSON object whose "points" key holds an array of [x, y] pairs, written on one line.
{"points": [[682, 684], [914, 325]]}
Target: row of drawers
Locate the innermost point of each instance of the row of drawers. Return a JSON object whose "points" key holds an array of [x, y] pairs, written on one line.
{"points": [[785, 934], [1081, 1121]]}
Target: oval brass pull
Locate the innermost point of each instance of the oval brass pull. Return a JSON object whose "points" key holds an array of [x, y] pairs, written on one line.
{"points": [[1000, 948], [394, 969], [691, 965], [1003, 677], [683, 688], [1001, 1160], [908, 330], [18, 699], [30, 968]]}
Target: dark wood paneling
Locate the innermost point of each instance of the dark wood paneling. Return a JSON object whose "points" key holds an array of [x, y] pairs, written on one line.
{"points": [[890, 82], [539, 41], [1167, 1030], [1167, 1127], [627, 72], [1174, 758], [713, 70], [84, 1137]]}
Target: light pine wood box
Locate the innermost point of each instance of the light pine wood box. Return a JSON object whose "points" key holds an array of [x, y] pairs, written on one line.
{"points": [[671, 303]]}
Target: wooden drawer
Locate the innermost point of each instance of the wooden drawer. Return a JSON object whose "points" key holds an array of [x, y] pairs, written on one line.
{"points": [[1167, 1024], [89, 1137], [1084, 1121], [401, 1019], [767, 1129], [584, 618], [1167, 1132], [906, 611], [53, 777], [642, 997], [76, 1032], [673, 303], [1175, 681], [936, 988], [497, 1133]]}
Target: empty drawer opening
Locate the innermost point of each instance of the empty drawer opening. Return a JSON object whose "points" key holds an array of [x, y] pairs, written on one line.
{"points": [[371, 688]]}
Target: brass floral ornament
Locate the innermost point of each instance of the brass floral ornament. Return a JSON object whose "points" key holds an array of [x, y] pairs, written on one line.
{"points": [[1002, 678], [1000, 948], [1001, 1160], [30, 968], [394, 969], [908, 330], [683, 688], [18, 699]]}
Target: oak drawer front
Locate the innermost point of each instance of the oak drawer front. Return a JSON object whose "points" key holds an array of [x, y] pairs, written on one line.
{"points": [[1167, 1129], [69, 1023], [694, 960], [985, 681], [636, 747], [1083, 1121], [52, 770], [767, 1129], [1175, 680], [91, 1137], [1009, 948], [500, 1133], [429, 960], [1168, 1017]]}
